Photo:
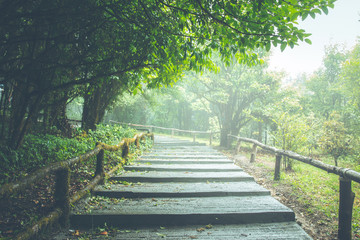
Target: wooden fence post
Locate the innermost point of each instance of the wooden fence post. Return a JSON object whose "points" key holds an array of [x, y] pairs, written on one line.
{"points": [[210, 140], [277, 167], [194, 137], [172, 132], [125, 150], [345, 209], [238, 147], [137, 142], [253, 153], [62, 195], [100, 164]]}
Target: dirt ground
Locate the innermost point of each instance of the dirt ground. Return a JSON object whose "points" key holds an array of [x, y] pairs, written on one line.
{"points": [[316, 224]]}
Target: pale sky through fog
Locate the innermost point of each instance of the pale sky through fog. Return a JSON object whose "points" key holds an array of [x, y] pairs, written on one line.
{"points": [[340, 26]]}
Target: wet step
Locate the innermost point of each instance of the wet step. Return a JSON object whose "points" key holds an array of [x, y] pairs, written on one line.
{"points": [[181, 147], [179, 211], [268, 231], [183, 156], [184, 161], [185, 191], [179, 144], [176, 152], [183, 167], [155, 176], [176, 190]]}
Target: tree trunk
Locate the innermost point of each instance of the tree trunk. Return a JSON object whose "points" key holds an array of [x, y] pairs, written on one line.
{"points": [[20, 104], [225, 130], [90, 116], [97, 99], [260, 132], [58, 118]]}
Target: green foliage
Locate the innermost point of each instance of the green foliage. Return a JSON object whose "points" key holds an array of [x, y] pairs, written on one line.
{"points": [[335, 140], [324, 87], [235, 93], [59, 48], [39, 150]]}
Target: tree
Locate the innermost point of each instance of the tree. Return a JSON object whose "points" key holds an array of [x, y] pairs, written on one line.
{"points": [[49, 47], [233, 92], [335, 140], [325, 85]]}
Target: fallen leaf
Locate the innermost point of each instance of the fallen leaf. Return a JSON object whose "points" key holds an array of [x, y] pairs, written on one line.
{"points": [[209, 226], [161, 235], [104, 233], [76, 233], [200, 229]]}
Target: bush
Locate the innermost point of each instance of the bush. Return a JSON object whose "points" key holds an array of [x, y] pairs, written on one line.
{"points": [[39, 150]]}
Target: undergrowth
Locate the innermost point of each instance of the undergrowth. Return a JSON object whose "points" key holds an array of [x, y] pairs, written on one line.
{"points": [[39, 150], [27, 207], [319, 191]]}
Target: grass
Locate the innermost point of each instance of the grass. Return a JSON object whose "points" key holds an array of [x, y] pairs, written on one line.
{"points": [[318, 190]]}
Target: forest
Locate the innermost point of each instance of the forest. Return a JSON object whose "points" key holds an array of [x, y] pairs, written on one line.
{"points": [[109, 57], [192, 65], [311, 114]]}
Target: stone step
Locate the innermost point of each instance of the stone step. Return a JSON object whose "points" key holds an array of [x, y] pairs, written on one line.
{"points": [[176, 190], [193, 154], [178, 144], [179, 211], [189, 156], [257, 231], [180, 147], [183, 167], [154, 176], [191, 193], [184, 161]]}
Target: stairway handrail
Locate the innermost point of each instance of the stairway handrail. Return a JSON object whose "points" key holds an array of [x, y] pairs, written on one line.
{"points": [[62, 171], [13, 188], [342, 172], [164, 128], [346, 175]]}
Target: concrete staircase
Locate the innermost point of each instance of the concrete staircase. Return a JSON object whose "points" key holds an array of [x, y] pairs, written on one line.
{"points": [[185, 190]]}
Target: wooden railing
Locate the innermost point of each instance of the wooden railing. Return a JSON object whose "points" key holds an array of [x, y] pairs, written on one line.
{"points": [[62, 182], [151, 128], [345, 177]]}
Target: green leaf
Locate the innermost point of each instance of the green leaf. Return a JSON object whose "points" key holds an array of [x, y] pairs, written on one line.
{"points": [[312, 14], [283, 46], [308, 41], [304, 16], [316, 11], [325, 10], [268, 46], [294, 16]]}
